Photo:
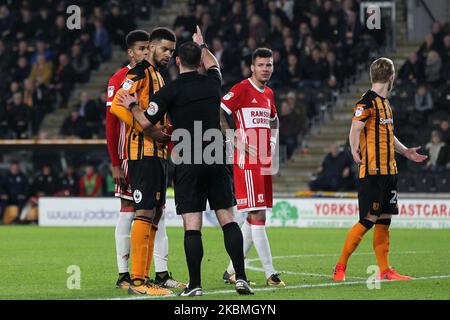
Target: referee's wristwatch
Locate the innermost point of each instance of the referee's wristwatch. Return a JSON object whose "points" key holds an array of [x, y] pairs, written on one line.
{"points": [[204, 45]]}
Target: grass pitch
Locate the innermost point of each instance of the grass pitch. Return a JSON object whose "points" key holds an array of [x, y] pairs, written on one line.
{"points": [[34, 264]]}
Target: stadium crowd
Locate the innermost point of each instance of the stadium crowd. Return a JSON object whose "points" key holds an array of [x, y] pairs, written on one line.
{"points": [[41, 60]]}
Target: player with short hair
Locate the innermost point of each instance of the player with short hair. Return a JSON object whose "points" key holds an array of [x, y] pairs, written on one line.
{"points": [[146, 158], [191, 99], [251, 104], [137, 42], [373, 145]]}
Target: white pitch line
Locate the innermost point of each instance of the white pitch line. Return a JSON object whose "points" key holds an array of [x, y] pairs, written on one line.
{"points": [[302, 286], [250, 267]]}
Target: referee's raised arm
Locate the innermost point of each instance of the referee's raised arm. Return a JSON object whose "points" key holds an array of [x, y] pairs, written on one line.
{"points": [[208, 60]]}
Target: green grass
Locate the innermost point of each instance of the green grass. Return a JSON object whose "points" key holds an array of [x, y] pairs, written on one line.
{"points": [[34, 262]]}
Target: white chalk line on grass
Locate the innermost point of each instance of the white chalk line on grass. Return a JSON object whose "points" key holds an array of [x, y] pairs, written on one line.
{"points": [[250, 267], [302, 286]]}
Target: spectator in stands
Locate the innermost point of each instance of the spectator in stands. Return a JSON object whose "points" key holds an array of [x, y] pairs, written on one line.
{"points": [[412, 70], [335, 173], [90, 183], [80, 64], [445, 51], [292, 73], [209, 29], [186, 20], [19, 117], [60, 36], [41, 49], [22, 51], [15, 187], [44, 23], [426, 47], [117, 26], [315, 70], [424, 102], [437, 152], [63, 79], [42, 70], [317, 28], [289, 128], [6, 57], [87, 109], [101, 40], [433, 66], [258, 29], [74, 126], [444, 131], [69, 184], [6, 22], [336, 31], [22, 70], [88, 49], [334, 68], [5, 130], [303, 31], [36, 109], [45, 183], [25, 27]]}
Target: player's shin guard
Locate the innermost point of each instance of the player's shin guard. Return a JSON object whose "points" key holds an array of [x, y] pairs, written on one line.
{"points": [[381, 243], [234, 243], [161, 251], [193, 249], [262, 246], [353, 239], [248, 242], [122, 235]]}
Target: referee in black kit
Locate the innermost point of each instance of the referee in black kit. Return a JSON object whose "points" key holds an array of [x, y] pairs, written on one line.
{"points": [[191, 99]]}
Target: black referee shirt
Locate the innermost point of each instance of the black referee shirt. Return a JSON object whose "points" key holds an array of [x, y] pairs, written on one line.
{"points": [[191, 98]]}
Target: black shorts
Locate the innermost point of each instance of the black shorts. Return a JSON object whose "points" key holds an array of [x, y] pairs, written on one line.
{"points": [[148, 179], [377, 195], [194, 184]]}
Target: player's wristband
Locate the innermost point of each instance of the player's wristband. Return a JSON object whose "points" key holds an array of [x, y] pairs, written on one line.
{"points": [[204, 45]]}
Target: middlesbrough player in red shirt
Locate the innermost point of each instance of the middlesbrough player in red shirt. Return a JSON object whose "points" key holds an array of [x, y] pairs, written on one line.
{"points": [[138, 48], [252, 106]]}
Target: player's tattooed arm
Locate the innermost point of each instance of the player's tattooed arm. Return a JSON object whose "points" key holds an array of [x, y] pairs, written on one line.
{"points": [[409, 153]]}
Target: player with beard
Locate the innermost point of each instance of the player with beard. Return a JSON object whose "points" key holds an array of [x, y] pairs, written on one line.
{"points": [[137, 42], [147, 158]]}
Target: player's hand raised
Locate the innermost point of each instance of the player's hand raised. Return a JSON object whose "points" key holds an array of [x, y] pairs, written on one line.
{"points": [[411, 154], [126, 99]]}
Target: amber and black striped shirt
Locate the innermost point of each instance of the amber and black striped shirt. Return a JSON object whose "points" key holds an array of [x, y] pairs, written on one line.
{"points": [[144, 80], [377, 138]]}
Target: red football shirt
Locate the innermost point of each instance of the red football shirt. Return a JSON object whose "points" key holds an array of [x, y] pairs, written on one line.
{"points": [[252, 109], [115, 128]]}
